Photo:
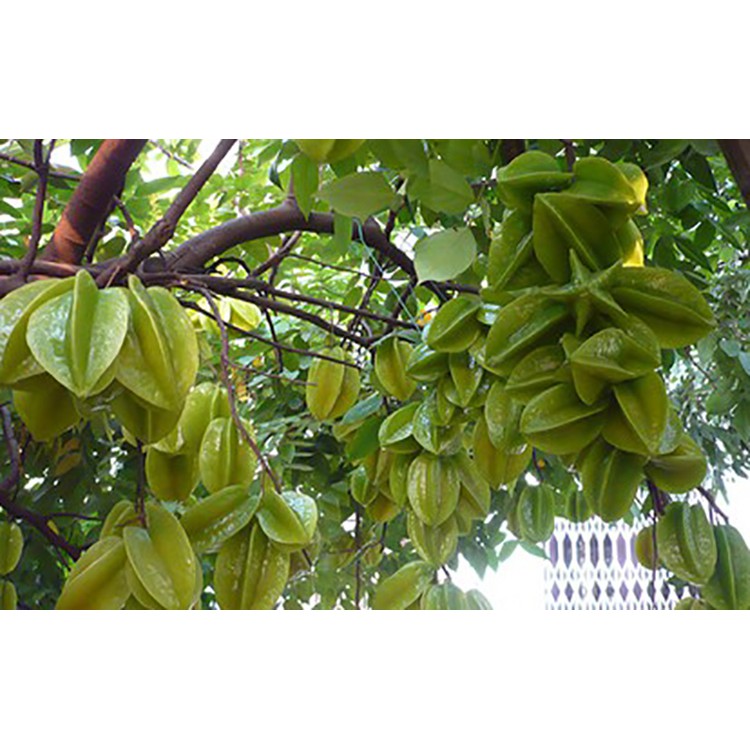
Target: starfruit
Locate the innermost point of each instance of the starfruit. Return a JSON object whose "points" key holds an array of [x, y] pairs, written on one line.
{"points": [[477, 600], [16, 360], [602, 183], [147, 423], [225, 458], [159, 358], [521, 326], [631, 244], [251, 572], [431, 435], [332, 387], [665, 301], [528, 174], [561, 223], [610, 479], [539, 370], [11, 546], [444, 595], [645, 406], [645, 549], [288, 518], [171, 476], [455, 326], [214, 519], [426, 365], [512, 264], [46, 407], [328, 150], [575, 508], [681, 470], [390, 367], [498, 467], [434, 544], [475, 490], [510, 248], [502, 414], [433, 488], [536, 513], [204, 403], [691, 603], [404, 587], [77, 336], [729, 586], [162, 559], [685, 542], [361, 487], [398, 479], [612, 356], [97, 580], [396, 431], [383, 509], [558, 422], [8, 595], [122, 514], [466, 376]]}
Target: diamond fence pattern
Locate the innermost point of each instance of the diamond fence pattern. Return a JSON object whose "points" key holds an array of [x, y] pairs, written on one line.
{"points": [[592, 565]]}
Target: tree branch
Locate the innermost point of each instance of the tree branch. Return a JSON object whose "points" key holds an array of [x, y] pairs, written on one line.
{"points": [[164, 229], [15, 510], [737, 154], [41, 165], [286, 217], [91, 199]]}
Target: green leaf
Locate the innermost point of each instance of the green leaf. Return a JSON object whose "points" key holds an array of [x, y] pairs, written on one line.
{"points": [[359, 195], [362, 410], [744, 359], [444, 190], [730, 347], [444, 255], [305, 179], [342, 233]]}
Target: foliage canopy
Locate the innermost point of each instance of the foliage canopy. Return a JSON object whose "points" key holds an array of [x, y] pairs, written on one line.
{"points": [[328, 365]]}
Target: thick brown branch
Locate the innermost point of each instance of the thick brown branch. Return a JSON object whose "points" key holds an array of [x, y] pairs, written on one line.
{"points": [[511, 148], [737, 154], [92, 199], [164, 229], [286, 217]]}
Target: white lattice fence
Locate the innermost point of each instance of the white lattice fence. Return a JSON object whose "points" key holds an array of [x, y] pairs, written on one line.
{"points": [[592, 565]]}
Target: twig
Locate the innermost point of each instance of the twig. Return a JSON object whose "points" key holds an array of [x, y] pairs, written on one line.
{"points": [[15, 510], [264, 340], [132, 230], [278, 256], [164, 229], [170, 155], [712, 502], [570, 152], [275, 375], [28, 165], [41, 165], [225, 364]]}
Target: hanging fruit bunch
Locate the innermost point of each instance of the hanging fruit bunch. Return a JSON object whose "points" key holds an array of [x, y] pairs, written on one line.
{"points": [[559, 353], [68, 351]]}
